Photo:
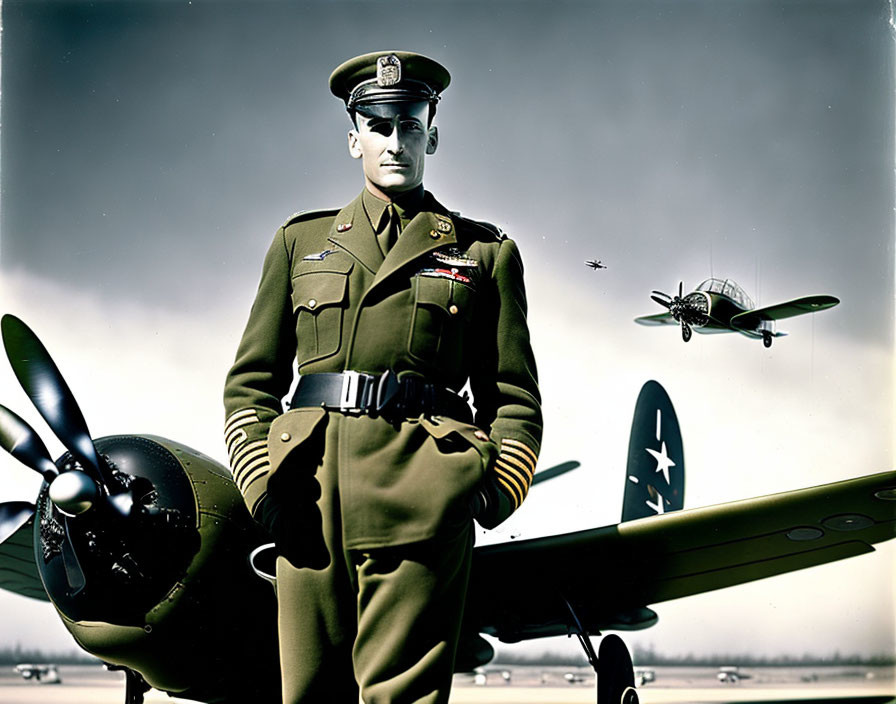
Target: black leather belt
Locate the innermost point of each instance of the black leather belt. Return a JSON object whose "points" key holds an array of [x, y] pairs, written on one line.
{"points": [[384, 394]]}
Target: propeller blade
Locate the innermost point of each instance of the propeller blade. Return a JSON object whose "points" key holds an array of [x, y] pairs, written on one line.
{"points": [[544, 474], [680, 288], [21, 441], [663, 302], [42, 381], [13, 515], [74, 574]]}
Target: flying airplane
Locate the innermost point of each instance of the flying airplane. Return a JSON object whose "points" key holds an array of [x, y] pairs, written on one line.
{"points": [[595, 264], [141, 543], [722, 306]]}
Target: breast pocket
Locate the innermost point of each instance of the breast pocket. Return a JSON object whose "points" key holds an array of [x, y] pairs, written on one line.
{"points": [[319, 300], [442, 311]]}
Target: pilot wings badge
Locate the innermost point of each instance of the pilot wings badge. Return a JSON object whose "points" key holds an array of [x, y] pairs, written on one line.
{"points": [[319, 257]]}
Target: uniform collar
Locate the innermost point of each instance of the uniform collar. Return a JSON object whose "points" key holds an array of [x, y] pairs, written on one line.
{"points": [[430, 228], [407, 205]]}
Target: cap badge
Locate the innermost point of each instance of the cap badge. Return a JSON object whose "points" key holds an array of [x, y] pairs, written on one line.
{"points": [[443, 225], [388, 71]]}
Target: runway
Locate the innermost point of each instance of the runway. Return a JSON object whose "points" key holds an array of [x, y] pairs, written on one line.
{"points": [[534, 685]]}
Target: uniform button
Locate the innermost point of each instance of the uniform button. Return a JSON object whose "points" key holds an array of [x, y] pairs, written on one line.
{"points": [[285, 437], [453, 309], [312, 303]]}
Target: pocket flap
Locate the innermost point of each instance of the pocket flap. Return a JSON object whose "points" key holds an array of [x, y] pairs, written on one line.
{"points": [[291, 430], [433, 291], [441, 427], [316, 289]]}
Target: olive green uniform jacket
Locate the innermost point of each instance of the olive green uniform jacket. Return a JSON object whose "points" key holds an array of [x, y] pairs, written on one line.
{"points": [[447, 303]]}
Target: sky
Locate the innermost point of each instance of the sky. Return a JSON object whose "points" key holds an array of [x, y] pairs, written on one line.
{"points": [[149, 151]]}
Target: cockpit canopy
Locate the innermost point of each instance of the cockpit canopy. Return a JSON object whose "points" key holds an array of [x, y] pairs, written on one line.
{"points": [[728, 288]]}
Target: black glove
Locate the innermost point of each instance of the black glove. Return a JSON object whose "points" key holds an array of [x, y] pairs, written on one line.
{"points": [[490, 505], [298, 533]]}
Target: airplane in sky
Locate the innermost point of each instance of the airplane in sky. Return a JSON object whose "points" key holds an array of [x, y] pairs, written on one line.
{"points": [[718, 305], [595, 264], [141, 543]]}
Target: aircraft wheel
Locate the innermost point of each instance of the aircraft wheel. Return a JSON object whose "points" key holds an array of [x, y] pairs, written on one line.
{"points": [[767, 338], [615, 673], [686, 332]]}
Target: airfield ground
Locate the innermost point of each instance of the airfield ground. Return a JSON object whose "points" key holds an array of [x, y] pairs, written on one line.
{"points": [[533, 685]]}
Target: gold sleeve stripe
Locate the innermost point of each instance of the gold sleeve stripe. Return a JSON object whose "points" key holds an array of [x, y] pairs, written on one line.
{"points": [[239, 452], [240, 467], [511, 480], [520, 457], [251, 479], [521, 479], [254, 470], [235, 430], [249, 456], [241, 417], [235, 440], [516, 444], [519, 474], [515, 461], [510, 492]]}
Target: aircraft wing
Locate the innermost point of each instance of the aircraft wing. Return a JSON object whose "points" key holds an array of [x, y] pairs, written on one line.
{"points": [[750, 319], [519, 590], [18, 572], [657, 319]]}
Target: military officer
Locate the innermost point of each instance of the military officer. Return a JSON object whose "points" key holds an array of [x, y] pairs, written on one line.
{"points": [[370, 481]]}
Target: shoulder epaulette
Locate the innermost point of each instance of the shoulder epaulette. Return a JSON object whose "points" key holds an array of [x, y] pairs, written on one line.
{"points": [[309, 215], [493, 229]]}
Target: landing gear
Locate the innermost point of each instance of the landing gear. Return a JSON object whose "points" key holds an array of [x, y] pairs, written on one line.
{"points": [[615, 673], [134, 684], [767, 338], [686, 332], [612, 665]]}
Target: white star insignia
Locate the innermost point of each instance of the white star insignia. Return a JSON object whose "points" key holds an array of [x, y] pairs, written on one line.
{"points": [[663, 462]]}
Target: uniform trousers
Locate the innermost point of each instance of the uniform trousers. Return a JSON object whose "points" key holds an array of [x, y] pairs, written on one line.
{"points": [[381, 624]]}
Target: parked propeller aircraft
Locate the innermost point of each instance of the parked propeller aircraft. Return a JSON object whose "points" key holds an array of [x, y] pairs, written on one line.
{"points": [[45, 673], [141, 545], [723, 306]]}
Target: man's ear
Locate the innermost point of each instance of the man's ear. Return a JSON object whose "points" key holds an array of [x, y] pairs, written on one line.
{"points": [[432, 140], [354, 144]]}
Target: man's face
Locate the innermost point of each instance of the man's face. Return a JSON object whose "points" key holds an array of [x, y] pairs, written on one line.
{"points": [[392, 142]]}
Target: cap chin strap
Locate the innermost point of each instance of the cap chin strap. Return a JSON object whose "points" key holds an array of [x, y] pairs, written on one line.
{"points": [[409, 91]]}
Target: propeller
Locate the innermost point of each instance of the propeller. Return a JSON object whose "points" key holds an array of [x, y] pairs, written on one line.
{"points": [[13, 515], [44, 385], [19, 439], [679, 308]]}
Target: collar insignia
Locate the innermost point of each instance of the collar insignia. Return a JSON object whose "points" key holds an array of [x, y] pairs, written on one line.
{"points": [[343, 227]]}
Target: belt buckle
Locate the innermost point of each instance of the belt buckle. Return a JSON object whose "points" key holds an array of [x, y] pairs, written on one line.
{"points": [[348, 398]]}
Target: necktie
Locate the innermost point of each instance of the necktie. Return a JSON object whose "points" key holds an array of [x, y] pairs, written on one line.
{"points": [[389, 235]]}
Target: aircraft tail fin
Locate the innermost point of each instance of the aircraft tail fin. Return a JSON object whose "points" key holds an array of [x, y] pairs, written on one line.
{"points": [[654, 481]]}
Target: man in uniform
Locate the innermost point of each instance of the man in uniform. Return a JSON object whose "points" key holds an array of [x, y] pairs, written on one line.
{"points": [[370, 482]]}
